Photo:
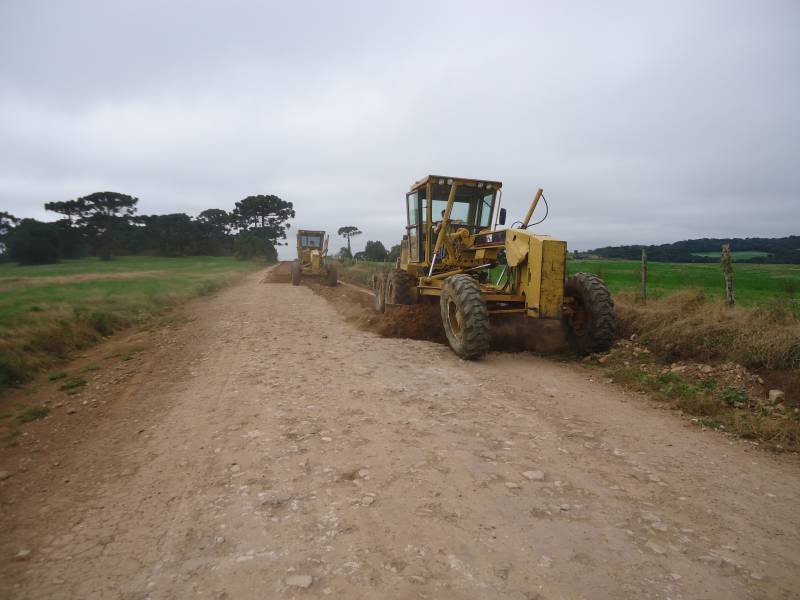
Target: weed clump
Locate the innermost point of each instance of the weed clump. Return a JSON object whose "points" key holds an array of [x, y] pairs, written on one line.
{"points": [[73, 385], [103, 322], [34, 413]]}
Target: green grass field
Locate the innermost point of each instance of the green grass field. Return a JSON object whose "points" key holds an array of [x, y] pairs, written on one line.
{"points": [[753, 283], [47, 311], [735, 254]]}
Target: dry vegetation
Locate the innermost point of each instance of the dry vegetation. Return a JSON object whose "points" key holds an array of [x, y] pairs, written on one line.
{"points": [[48, 312], [723, 396], [688, 324], [714, 363]]}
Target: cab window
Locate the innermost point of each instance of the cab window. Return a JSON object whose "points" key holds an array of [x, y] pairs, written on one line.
{"points": [[472, 206]]}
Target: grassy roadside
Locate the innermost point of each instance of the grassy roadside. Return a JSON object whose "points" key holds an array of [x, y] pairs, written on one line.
{"points": [[690, 325], [49, 311], [360, 272], [715, 363], [722, 396], [712, 363]]}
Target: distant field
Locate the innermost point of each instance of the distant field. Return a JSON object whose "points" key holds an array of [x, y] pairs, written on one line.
{"points": [[753, 283], [47, 311], [735, 255], [360, 272]]}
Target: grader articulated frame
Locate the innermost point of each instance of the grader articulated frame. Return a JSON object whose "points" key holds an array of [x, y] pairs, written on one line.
{"points": [[453, 251]]}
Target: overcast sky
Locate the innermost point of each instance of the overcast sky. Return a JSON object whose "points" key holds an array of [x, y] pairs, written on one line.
{"points": [[643, 121]]}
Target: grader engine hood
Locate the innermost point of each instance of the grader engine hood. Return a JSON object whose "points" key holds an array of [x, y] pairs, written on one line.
{"points": [[543, 263]]}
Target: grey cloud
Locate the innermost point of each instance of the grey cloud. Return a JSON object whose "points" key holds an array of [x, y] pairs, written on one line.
{"points": [[643, 121]]}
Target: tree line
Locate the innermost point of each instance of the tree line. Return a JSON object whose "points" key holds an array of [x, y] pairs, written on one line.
{"points": [[785, 250], [106, 224], [373, 250]]}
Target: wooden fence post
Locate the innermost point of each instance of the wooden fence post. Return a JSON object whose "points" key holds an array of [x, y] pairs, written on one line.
{"points": [[644, 275], [727, 270]]}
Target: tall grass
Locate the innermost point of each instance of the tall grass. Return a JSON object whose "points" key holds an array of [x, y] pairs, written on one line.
{"points": [[689, 324], [361, 272], [50, 311]]}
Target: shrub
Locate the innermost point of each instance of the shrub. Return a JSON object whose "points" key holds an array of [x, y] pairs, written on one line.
{"points": [[733, 396], [33, 413], [102, 322], [250, 244], [73, 385]]}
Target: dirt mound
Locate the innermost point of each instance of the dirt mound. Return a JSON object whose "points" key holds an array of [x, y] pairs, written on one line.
{"points": [[424, 322], [280, 273], [417, 322]]}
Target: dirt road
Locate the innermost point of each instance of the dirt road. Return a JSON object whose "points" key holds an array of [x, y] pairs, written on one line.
{"points": [[267, 449]]}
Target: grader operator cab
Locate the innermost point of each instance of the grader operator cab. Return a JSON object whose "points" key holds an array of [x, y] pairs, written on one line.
{"points": [[312, 258], [454, 251]]}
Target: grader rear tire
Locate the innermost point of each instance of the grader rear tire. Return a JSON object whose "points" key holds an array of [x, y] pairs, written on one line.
{"points": [[295, 273], [465, 317], [592, 326], [401, 288], [332, 276]]}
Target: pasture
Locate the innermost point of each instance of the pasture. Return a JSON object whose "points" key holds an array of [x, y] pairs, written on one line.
{"points": [[754, 283], [49, 310]]}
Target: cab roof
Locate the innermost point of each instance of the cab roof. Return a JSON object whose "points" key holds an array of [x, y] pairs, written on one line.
{"points": [[309, 232], [445, 179]]}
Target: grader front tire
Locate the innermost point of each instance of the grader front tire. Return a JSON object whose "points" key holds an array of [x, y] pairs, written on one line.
{"points": [[592, 325], [465, 317], [295, 273]]}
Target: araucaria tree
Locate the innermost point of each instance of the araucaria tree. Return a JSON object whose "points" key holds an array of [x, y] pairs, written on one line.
{"points": [[101, 215], [215, 228], [71, 209], [348, 231], [265, 217]]}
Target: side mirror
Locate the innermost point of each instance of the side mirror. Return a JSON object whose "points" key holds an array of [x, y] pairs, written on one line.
{"points": [[502, 217]]}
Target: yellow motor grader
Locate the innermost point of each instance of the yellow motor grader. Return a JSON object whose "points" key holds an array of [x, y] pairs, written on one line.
{"points": [[312, 258], [454, 251]]}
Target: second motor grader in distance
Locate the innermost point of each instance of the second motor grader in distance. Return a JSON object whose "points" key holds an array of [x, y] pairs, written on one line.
{"points": [[312, 258], [454, 252]]}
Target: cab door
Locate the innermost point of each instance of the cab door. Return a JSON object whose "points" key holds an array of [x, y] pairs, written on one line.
{"points": [[413, 228]]}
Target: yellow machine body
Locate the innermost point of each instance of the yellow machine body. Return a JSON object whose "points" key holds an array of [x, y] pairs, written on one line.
{"points": [[312, 246], [466, 240]]}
